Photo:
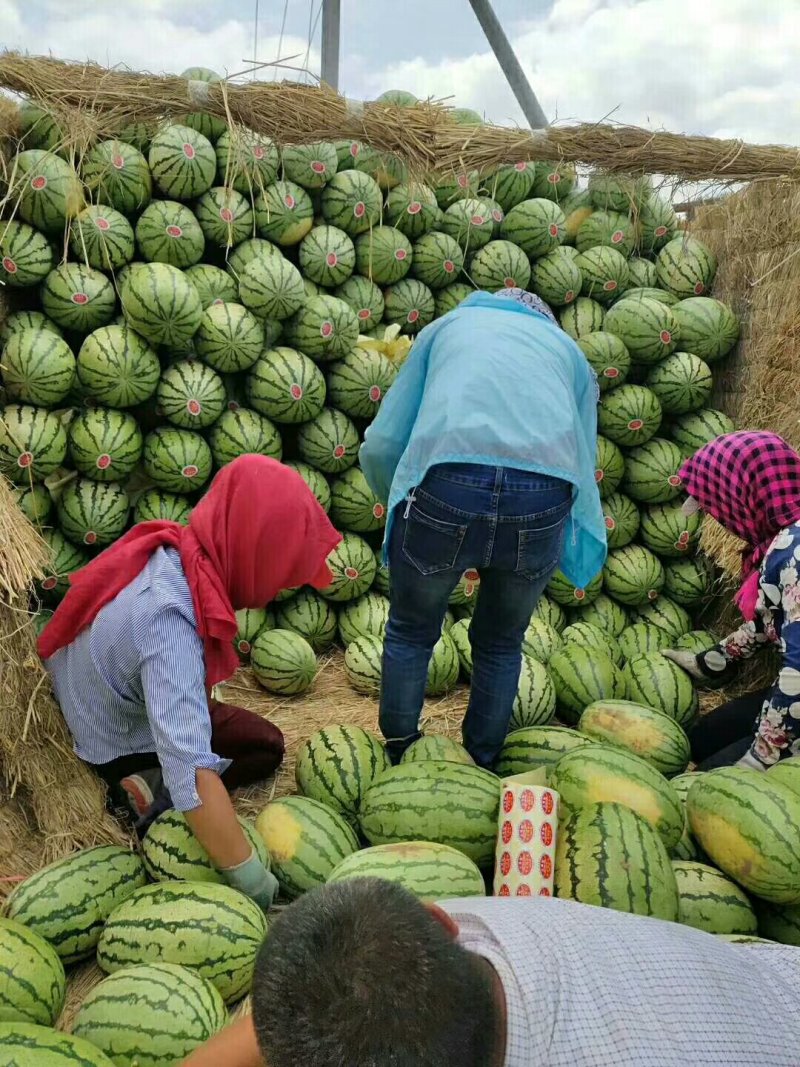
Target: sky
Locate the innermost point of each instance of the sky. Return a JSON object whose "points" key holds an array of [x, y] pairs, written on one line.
{"points": [[727, 68]]}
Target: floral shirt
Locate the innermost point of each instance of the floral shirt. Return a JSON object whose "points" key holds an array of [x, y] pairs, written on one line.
{"points": [[777, 621]]}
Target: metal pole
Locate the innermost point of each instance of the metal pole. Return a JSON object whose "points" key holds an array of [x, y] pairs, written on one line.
{"points": [[509, 64], [331, 21]]}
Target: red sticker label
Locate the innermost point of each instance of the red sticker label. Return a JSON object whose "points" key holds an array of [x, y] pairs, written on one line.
{"points": [[400, 254], [553, 230], [351, 573], [326, 329], [79, 298], [520, 167], [524, 891], [548, 803], [102, 223], [684, 538], [174, 231], [660, 231], [526, 831], [378, 511], [219, 300], [188, 150], [118, 163], [364, 314], [666, 336], [190, 471], [611, 523], [90, 537], [569, 296], [39, 182], [497, 215], [507, 832], [360, 209], [477, 220], [289, 201], [508, 801], [546, 867], [50, 583], [414, 207], [674, 480], [525, 863], [699, 288], [9, 265], [233, 405], [318, 166], [226, 214], [24, 459], [611, 372], [636, 424], [103, 462], [617, 237], [510, 283], [546, 834], [331, 259], [462, 181], [194, 407], [527, 800], [610, 286], [554, 177], [296, 391], [449, 266], [244, 647], [375, 393], [258, 152], [505, 863], [471, 575], [504, 890], [599, 474], [355, 148], [413, 315], [580, 594], [545, 892], [652, 594], [339, 452]]}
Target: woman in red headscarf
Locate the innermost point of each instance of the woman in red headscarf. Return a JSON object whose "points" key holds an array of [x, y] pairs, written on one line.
{"points": [[750, 483], [146, 631]]}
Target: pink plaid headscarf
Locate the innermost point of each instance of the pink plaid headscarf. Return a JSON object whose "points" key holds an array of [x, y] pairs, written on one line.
{"points": [[750, 483]]}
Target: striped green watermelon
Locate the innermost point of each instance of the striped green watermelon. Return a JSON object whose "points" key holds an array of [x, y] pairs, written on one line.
{"points": [[364, 617], [155, 504], [311, 616], [536, 226], [352, 201], [212, 929], [172, 853], [499, 265], [18, 321], [68, 902], [363, 663], [657, 225], [35, 503], [224, 216], [283, 661], [31, 977], [327, 256], [284, 213], [562, 591], [666, 531], [666, 614], [285, 386], [556, 278], [608, 358], [337, 766], [607, 773], [605, 613], [447, 299], [607, 229], [708, 327], [409, 304], [352, 564], [630, 415], [306, 840], [354, 507], [179, 461], [365, 298], [38, 127], [456, 186], [619, 192], [92, 513], [659, 683], [358, 383], [46, 189], [633, 575], [271, 288], [686, 267], [182, 162], [383, 255], [537, 746], [325, 329], [446, 803], [661, 296], [641, 274], [250, 622], [609, 467], [535, 702], [688, 581], [191, 395], [785, 772], [588, 635], [246, 161], [709, 901], [621, 517], [581, 317], [473, 222], [682, 382], [29, 1045], [64, 559], [437, 260], [647, 328], [210, 125], [243, 254], [176, 1011], [746, 823], [696, 641], [78, 298], [37, 367], [609, 856], [26, 257], [116, 367], [582, 677], [103, 238], [541, 640], [691, 432], [315, 480], [411, 208], [329, 442], [161, 304], [33, 443], [117, 174], [310, 165], [648, 734], [687, 848], [243, 432], [651, 472], [436, 747], [550, 612], [605, 273], [779, 922], [230, 339], [105, 445], [430, 871], [641, 638], [511, 183]]}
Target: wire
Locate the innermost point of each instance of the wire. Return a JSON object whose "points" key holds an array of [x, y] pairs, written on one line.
{"points": [[312, 28], [280, 39], [255, 39]]}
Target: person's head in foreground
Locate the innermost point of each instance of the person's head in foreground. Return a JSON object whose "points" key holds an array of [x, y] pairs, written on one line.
{"points": [[362, 972]]}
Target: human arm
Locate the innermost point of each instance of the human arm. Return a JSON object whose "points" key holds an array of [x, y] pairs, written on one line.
{"points": [[718, 666], [235, 1046]]}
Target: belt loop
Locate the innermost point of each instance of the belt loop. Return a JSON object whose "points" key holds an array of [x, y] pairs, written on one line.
{"points": [[409, 501]]}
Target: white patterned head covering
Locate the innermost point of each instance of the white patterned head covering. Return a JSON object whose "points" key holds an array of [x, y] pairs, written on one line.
{"points": [[530, 300]]}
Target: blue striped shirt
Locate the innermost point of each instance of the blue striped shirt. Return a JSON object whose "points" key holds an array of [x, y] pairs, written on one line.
{"points": [[134, 681]]}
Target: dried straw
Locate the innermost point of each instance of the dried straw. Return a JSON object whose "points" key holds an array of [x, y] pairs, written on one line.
{"points": [[22, 847], [81, 981]]}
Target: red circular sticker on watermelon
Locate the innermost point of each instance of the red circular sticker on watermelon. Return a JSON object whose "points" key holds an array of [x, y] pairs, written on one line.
{"points": [[174, 231], [471, 575], [24, 459], [599, 474], [507, 832], [364, 314], [226, 214], [525, 831], [477, 220], [449, 266], [190, 471], [611, 523], [546, 834], [188, 150], [666, 337], [636, 424], [660, 231], [355, 148], [339, 452], [652, 594], [684, 538], [579, 594], [360, 209], [118, 163], [103, 461], [674, 480], [194, 407], [569, 296], [90, 537], [318, 166], [244, 647], [326, 329], [102, 223], [39, 182], [351, 573], [375, 393], [553, 230], [505, 863], [611, 372], [525, 863], [699, 288], [610, 286], [378, 510], [462, 181], [413, 315], [617, 237], [289, 201], [414, 207], [258, 153], [510, 283], [331, 259], [497, 215], [296, 391], [508, 801], [50, 583], [400, 254], [79, 298], [554, 177], [9, 265]]}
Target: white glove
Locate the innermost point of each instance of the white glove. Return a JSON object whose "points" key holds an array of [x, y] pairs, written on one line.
{"points": [[254, 880], [687, 661], [749, 761]]}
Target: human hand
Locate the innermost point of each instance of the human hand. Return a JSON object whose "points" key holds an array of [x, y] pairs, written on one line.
{"points": [[687, 661], [254, 880]]}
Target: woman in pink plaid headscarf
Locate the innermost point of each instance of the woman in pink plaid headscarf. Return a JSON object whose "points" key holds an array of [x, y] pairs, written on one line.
{"points": [[750, 483]]}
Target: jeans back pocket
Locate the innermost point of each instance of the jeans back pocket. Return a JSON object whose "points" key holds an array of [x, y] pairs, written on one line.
{"points": [[539, 547], [431, 544]]}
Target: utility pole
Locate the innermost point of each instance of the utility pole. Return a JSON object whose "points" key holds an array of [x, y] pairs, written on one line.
{"points": [[509, 64], [331, 22]]}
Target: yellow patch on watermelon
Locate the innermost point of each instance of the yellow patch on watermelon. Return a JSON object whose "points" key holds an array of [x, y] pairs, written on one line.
{"points": [[280, 831], [639, 736], [733, 853], [620, 790], [575, 220]]}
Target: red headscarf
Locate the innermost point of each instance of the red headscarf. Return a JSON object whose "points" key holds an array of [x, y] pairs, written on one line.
{"points": [[749, 482], [258, 529]]}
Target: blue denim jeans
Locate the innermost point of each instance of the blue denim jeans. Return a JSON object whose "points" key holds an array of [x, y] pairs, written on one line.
{"points": [[509, 526]]}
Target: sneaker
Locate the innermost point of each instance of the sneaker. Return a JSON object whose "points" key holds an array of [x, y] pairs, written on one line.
{"points": [[142, 789]]}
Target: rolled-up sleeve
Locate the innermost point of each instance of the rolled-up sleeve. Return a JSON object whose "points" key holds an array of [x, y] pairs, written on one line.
{"points": [[173, 685]]}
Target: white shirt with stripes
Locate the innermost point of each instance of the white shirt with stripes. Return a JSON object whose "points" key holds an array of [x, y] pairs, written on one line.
{"points": [[134, 681], [590, 987]]}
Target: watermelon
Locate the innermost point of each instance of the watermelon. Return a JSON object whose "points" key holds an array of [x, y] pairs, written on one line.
{"points": [[660, 684], [325, 329], [708, 327], [541, 641], [657, 225], [536, 226], [230, 339], [383, 255], [647, 328], [472, 222], [682, 383], [621, 517], [309, 615], [354, 507], [315, 480], [26, 257], [553, 180], [211, 126], [709, 901], [65, 558], [35, 503], [306, 840], [327, 256], [696, 641], [605, 613], [619, 192], [168, 232], [500, 265], [642, 638], [537, 746], [329, 442], [363, 663], [605, 273], [310, 165], [116, 367], [609, 467], [160, 303], [608, 358], [511, 183], [365, 299], [250, 622], [779, 922], [582, 677], [387, 169], [465, 591], [176, 1011], [430, 871], [437, 260], [609, 856], [535, 702], [337, 766], [586, 634], [352, 201], [284, 213], [182, 162], [556, 278], [246, 161], [691, 432], [212, 929], [102, 237], [661, 296], [581, 317], [456, 186], [243, 432], [651, 472], [745, 822], [18, 321], [243, 254], [117, 174], [271, 288], [31, 977], [224, 216], [68, 902], [686, 267], [283, 662], [436, 747], [443, 668], [669, 533], [411, 208], [46, 189], [641, 275], [409, 304], [364, 617], [92, 513], [397, 98], [648, 734], [191, 395], [177, 460], [633, 575], [447, 803], [28, 1045], [688, 581], [448, 299], [78, 298], [172, 853], [285, 386], [630, 415], [667, 615], [563, 592], [607, 229], [33, 443], [38, 368], [38, 128], [155, 504], [466, 116], [358, 383]]}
